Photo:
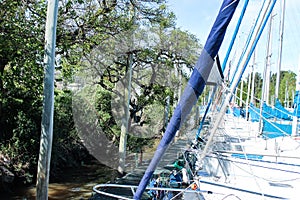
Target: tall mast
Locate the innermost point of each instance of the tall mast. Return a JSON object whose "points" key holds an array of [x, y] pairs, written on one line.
{"points": [[266, 84], [241, 93], [193, 89], [253, 79], [280, 49], [248, 92], [266, 75], [295, 117]]}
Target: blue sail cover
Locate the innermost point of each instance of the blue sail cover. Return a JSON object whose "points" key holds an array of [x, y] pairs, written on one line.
{"points": [[254, 113], [296, 104], [278, 112], [273, 129], [193, 89], [281, 112], [267, 111]]}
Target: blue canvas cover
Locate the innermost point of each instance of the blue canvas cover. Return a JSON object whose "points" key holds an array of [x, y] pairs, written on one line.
{"points": [[297, 104], [273, 129], [267, 111], [281, 112], [278, 112], [194, 88], [254, 113]]}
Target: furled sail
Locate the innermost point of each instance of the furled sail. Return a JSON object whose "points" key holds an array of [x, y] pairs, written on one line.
{"points": [[194, 87]]}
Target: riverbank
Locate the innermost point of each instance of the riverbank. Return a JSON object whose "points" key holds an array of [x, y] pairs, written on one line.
{"points": [[75, 183]]}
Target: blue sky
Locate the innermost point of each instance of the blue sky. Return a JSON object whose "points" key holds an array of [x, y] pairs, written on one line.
{"points": [[197, 17]]}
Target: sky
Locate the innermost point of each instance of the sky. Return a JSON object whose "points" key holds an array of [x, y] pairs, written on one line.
{"points": [[197, 17]]}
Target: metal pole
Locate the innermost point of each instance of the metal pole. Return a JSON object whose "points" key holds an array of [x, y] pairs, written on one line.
{"points": [[248, 94], [48, 104], [236, 81], [253, 79], [241, 93], [234, 35], [295, 117], [280, 49], [266, 78]]}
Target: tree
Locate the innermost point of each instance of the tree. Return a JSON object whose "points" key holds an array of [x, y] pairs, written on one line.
{"points": [[21, 76], [84, 32], [153, 61], [287, 87], [20, 73]]}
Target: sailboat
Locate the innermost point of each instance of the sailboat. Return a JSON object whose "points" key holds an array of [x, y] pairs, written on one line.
{"points": [[262, 165], [224, 163]]}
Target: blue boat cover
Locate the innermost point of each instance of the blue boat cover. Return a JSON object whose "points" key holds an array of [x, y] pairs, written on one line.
{"points": [[254, 113], [296, 104], [282, 113], [278, 112], [273, 129], [193, 89]]}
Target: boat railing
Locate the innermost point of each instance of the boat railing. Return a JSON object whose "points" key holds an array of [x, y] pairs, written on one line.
{"points": [[100, 189]]}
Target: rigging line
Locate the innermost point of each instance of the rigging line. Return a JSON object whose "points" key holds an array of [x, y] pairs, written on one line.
{"points": [[278, 128], [263, 155], [260, 177], [181, 192], [251, 169], [258, 35], [279, 59], [240, 189], [206, 111], [291, 41], [192, 91], [259, 100], [229, 195], [235, 34], [256, 39], [224, 62], [251, 34]]}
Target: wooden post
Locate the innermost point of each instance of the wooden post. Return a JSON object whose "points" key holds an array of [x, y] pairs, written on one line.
{"points": [[48, 104]]}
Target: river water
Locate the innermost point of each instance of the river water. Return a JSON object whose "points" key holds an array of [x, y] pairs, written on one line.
{"points": [[76, 183]]}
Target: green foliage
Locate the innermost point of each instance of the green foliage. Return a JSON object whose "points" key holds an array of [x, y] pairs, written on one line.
{"points": [[21, 149], [67, 148], [86, 45], [104, 112], [286, 88], [137, 144]]}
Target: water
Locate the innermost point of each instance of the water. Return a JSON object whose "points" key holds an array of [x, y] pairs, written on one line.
{"points": [[75, 184], [78, 183]]}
